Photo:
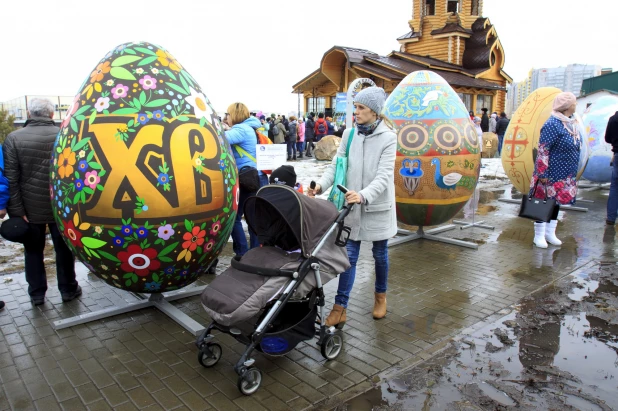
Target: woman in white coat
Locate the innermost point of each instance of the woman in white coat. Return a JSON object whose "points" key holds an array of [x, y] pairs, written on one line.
{"points": [[370, 179]]}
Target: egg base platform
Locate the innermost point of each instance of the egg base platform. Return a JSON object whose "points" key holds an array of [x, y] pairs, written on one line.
{"points": [[562, 207], [161, 301], [466, 224], [594, 186], [404, 236]]}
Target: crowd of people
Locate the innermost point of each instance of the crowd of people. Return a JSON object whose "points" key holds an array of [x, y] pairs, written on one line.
{"points": [[496, 124], [24, 181]]}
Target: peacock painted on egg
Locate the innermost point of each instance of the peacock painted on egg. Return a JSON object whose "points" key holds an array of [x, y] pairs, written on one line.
{"points": [[438, 156], [143, 182]]}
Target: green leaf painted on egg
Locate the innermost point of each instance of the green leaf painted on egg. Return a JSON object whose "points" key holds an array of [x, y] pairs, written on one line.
{"points": [[177, 88], [73, 125], [126, 110], [168, 249], [81, 144], [122, 73], [145, 51], [183, 118], [157, 103], [92, 117], [93, 242], [184, 84], [121, 61], [147, 60], [165, 259], [142, 97], [81, 110], [170, 74]]}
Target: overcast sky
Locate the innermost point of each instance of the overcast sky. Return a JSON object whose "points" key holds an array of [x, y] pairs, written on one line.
{"points": [[49, 47]]}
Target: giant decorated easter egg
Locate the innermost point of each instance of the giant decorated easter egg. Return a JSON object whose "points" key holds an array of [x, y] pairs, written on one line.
{"points": [[438, 157], [143, 182], [595, 119], [521, 139]]}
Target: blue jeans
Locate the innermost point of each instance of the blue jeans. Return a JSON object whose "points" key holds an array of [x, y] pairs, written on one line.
{"points": [[300, 147], [500, 140], [612, 202], [346, 279], [239, 241], [291, 148]]}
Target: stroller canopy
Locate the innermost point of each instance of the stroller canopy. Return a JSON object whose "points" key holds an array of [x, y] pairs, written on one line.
{"points": [[282, 217]]}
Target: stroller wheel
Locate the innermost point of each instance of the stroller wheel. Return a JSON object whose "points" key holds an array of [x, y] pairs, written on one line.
{"points": [[249, 381], [331, 346], [206, 361]]}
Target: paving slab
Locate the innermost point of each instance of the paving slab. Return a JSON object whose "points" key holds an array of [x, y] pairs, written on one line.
{"points": [[143, 360]]}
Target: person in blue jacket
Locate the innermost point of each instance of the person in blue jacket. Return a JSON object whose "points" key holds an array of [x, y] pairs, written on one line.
{"points": [[4, 196], [240, 133]]}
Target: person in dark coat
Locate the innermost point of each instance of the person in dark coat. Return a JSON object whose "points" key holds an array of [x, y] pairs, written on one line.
{"points": [[501, 126], [484, 120], [4, 196], [27, 154], [611, 137], [309, 135], [291, 137]]}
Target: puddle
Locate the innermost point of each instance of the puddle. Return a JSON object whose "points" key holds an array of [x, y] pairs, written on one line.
{"points": [[495, 394], [553, 351], [583, 286]]}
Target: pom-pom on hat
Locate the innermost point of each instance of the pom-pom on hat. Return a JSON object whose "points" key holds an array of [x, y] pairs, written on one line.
{"points": [[372, 97]]}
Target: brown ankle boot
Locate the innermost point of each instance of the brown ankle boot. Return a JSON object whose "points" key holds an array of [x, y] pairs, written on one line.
{"points": [[379, 307], [337, 317]]}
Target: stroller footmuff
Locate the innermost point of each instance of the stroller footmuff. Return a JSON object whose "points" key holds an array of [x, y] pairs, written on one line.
{"points": [[270, 298]]}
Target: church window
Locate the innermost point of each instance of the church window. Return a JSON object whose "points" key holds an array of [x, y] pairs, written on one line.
{"points": [[430, 7], [484, 101], [475, 7], [452, 6], [466, 99]]}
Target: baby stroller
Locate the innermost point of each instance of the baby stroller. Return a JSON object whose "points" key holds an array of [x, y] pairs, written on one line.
{"points": [[267, 298]]}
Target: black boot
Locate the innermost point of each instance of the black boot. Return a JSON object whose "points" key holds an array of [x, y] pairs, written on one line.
{"points": [[213, 267]]}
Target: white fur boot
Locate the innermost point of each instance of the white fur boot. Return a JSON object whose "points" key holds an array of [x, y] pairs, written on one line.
{"points": [[539, 235], [550, 233]]}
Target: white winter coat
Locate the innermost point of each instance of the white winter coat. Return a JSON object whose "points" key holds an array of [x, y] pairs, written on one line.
{"points": [[371, 170]]}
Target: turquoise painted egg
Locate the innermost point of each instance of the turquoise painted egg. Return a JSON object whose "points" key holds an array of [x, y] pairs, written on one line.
{"points": [[438, 154], [595, 120]]}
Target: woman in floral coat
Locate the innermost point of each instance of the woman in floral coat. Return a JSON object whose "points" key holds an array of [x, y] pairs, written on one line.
{"points": [[556, 164]]}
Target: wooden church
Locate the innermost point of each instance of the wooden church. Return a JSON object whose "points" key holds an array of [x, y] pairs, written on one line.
{"points": [[449, 37]]}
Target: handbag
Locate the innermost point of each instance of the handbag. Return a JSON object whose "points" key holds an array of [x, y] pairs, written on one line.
{"points": [[536, 208], [341, 169], [15, 229], [248, 177]]}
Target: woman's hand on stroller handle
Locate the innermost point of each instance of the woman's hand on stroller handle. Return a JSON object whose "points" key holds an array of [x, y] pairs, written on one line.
{"points": [[313, 189]]}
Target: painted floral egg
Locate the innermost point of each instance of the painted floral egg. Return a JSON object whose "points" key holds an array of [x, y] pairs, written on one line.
{"points": [[595, 121], [143, 183], [521, 139], [438, 157]]}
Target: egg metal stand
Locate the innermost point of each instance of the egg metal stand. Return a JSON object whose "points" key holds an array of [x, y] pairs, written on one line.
{"points": [[404, 236], [464, 224], [160, 301]]}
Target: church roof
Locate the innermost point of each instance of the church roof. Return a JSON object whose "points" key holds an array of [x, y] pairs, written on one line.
{"points": [[409, 35], [479, 45], [451, 28], [401, 64], [396, 66]]}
